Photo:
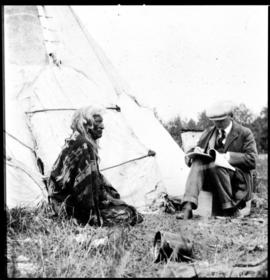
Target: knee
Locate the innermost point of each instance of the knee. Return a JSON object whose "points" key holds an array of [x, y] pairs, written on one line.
{"points": [[198, 165], [217, 169], [197, 161]]}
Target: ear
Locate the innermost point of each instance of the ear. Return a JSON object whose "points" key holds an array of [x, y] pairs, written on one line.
{"points": [[88, 122]]}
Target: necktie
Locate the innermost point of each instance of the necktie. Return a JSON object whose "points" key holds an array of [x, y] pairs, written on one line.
{"points": [[220, 139]]}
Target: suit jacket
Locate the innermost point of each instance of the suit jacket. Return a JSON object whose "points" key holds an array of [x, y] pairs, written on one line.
{"points": [[241, 144]]}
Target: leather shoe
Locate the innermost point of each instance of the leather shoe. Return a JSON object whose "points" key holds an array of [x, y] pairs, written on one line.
{"points": [[186, 213], [233, 213]]}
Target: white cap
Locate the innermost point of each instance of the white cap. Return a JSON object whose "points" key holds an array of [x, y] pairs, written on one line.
{"points": [[220, 110]]}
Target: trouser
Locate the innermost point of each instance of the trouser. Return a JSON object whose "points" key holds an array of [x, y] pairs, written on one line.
{"points": [[229, 187]]}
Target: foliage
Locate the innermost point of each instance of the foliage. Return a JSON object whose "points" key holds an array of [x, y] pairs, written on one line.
{"points": [[174, 127], [203, 121], [260, 129], [243, 115], [191, 124], [258, 125]]}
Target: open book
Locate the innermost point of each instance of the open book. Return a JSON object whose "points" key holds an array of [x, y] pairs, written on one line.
{"points": [[212, 156]]}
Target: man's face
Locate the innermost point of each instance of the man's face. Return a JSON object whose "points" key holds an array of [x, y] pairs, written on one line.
{"points": [[96, 131], [222, 124]]}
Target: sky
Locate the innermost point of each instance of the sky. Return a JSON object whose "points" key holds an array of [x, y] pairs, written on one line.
{"points": [[180, 59]]}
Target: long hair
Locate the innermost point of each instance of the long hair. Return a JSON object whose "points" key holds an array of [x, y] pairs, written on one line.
{"points": [[83, 116]]}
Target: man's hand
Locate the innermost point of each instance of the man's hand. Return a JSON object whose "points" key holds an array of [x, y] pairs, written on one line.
{"points": [[188, 161], [226, 155]]}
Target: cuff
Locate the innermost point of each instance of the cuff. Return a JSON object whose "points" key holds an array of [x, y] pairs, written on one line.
{"points": [[192, 199]]}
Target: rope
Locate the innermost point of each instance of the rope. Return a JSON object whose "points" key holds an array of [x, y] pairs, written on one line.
{"points": [[150, 154]]}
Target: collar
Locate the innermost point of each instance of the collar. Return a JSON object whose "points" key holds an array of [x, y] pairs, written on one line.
{"points": [[227, 129]]}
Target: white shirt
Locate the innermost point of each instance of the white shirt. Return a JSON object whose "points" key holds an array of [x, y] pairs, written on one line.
{"points": [[227, 131]]}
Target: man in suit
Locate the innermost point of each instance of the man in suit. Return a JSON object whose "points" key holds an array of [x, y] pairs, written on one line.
{"points": [[236, 143]]}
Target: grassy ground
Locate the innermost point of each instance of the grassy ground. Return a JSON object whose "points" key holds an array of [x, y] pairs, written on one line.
{"points": [[39, 246]]}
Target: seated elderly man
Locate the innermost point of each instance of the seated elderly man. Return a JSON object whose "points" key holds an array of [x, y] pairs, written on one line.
{"points": [[76, 187], [236, 144]]}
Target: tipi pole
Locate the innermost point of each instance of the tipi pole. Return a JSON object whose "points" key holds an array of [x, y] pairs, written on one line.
{"points": [[150, 154]]}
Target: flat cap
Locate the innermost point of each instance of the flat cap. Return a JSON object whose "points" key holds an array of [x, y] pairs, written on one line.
{"points": [[220, 110]]}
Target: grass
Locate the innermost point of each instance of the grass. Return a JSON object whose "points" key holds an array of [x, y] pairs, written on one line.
{"points": [[41, 246]]}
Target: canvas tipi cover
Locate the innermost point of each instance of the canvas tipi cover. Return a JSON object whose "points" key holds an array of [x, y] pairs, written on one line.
{"points": [[52, 67]]}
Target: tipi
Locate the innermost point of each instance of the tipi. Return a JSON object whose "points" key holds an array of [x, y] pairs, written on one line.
{"points": [[52, 67]]}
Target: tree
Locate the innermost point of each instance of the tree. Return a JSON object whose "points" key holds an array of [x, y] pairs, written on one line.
{"points": [[264, 130], [203, 121], [191, 125], [174, 127], [259, 128], [243, 115]]}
